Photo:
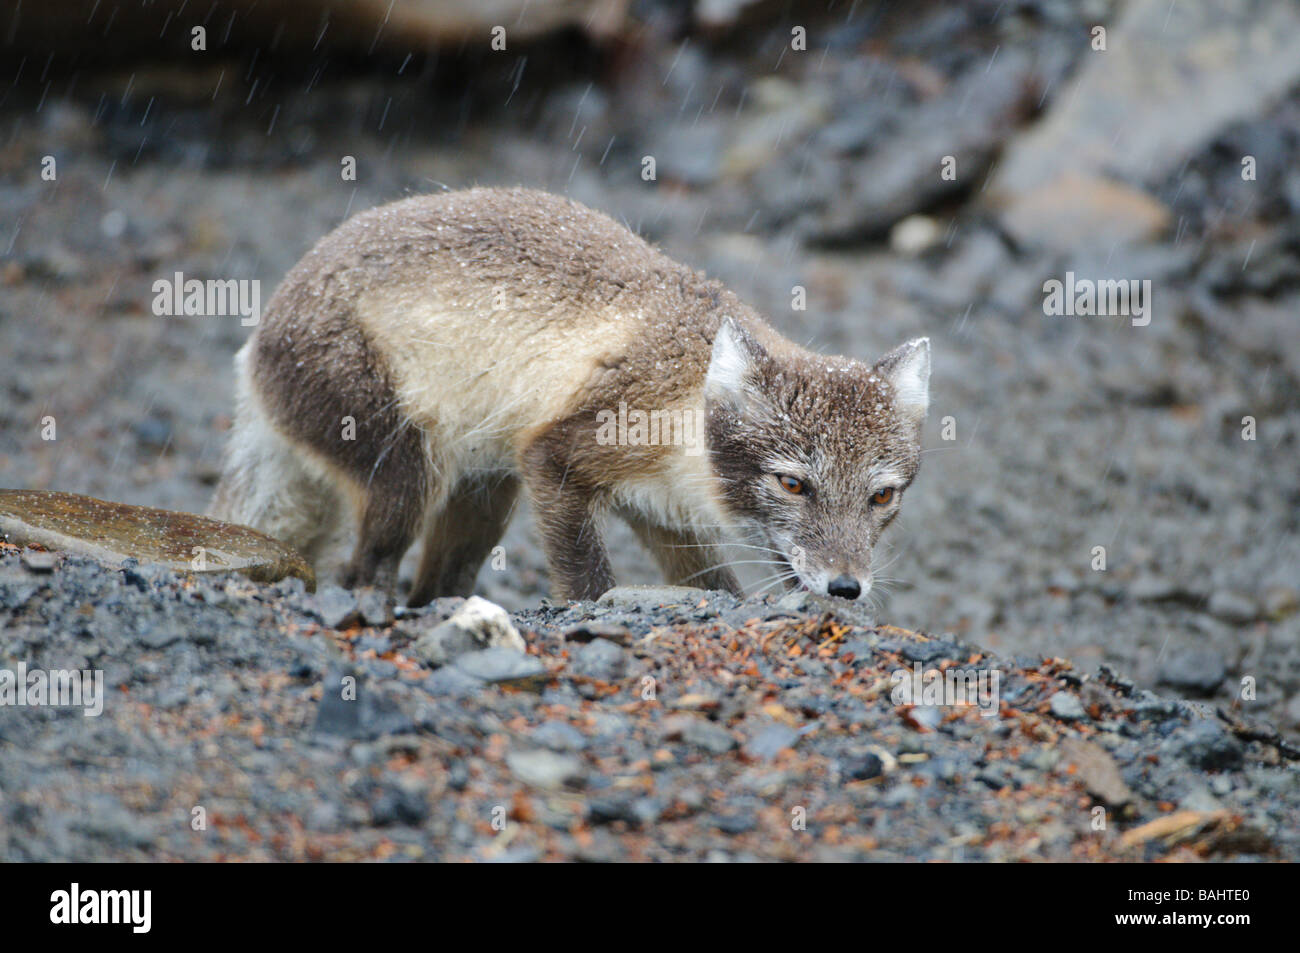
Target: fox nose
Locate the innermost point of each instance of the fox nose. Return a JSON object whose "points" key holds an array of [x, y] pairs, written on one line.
{"points": [[844, 586]]}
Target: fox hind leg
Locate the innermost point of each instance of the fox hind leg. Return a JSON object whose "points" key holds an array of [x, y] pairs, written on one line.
{"points": [[460, 535]]}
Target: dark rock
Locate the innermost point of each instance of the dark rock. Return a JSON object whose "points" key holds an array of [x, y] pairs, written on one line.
{"points": [[398, 804], [588, 631], [628, 808], [738, 823], [924, 652], [862, 767], [370, 714], [1206, 745]]}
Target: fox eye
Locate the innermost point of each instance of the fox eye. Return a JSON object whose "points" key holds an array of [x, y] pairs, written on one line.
{"points": [[882, 497], [791, 484]]}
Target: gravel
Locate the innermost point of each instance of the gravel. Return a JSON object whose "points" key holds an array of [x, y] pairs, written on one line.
{"points": [[768, 739]]}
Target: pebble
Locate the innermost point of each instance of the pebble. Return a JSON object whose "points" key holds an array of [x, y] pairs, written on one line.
{"points": [[1232, 607], [336, 607], [499, 664], [545, 769], [476, 624], [1206, 745], [1067, 707], [700, 733], [770, 741], [559, 736], [1197, 671], [600, 659]]}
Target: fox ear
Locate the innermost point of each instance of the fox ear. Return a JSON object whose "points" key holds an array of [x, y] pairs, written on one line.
{"points": [[907, 369], [735, 355]]}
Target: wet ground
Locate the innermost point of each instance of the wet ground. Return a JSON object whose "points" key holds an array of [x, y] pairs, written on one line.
{"points": [[774, 171], [254, 722]]}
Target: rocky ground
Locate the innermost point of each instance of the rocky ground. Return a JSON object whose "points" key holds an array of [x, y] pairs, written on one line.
{"points": [[658, 725], [1048, 438]]}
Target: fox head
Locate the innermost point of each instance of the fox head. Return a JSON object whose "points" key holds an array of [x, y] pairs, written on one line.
{"points": [[814, 454]]}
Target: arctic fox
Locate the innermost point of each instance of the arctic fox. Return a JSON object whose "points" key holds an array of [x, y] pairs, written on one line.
{"points": [[428, 359]]}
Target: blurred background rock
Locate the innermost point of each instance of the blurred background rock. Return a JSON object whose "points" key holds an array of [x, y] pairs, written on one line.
{"points": [[1119, 154]]}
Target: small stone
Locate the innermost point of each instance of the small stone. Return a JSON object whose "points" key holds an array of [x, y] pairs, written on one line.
{"points": [[1097, 770], [699, 732], [375, 607], [359, 710], [443, 644], [631, 597], [545, 769], [601, 660], [588, 631], [926, 717], [739, 823], [398, 804], [1232, 607], [927, 651], [1207, 746], [500, 664], [336, 607], [158, 637], [1293, 710], [453, 683], [477, 624], [1152, 588], [1067, 707], [624, 806], [915, 235], [770, 741], [38, 561], [862, 767], [559, 736], [796, 601], [1280, 602], [1195, 671]]}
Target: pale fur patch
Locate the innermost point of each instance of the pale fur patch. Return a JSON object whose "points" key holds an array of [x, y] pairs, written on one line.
{"points": [[910, 378], [729, 365]]}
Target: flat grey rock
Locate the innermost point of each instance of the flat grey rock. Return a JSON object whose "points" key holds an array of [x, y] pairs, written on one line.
{"points": [[652, 596]]}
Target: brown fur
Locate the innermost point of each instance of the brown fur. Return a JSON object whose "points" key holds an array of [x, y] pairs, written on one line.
{"points": [[474, 337]]}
